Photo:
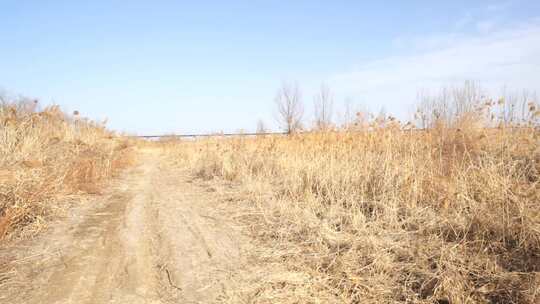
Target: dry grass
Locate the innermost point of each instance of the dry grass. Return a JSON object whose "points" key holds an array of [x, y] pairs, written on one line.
{"points": [[46, 155], [383, 215]]}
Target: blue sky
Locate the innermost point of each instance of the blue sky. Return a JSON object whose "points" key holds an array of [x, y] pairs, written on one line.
{"points": [[179, 66]]}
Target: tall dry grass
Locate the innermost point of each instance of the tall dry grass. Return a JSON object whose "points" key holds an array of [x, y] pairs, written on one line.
{"points": [[383, 213], [46, 155]]}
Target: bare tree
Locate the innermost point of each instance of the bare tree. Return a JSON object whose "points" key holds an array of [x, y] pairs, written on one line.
{"points": [[351, 115], [324, 106], [382, 118], [346, 116], [449, 105], [261, 126], [290, 109], [517, 108]]}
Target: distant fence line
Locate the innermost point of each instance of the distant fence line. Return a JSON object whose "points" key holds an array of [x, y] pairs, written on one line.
{"points": [[208, 135], [534, 129]]}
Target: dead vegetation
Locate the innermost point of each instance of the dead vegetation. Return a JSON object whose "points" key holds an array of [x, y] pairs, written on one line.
{"points": [[384, 213], [46, 156]]}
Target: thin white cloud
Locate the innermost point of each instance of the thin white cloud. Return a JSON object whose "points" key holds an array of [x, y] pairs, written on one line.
{"points": [[496, 59], [498, 6], [485, 26], [465, 20], [426, 43]]}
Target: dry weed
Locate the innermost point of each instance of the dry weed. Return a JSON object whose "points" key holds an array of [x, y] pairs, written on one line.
{"points": [[45, 154], [381, 215]]}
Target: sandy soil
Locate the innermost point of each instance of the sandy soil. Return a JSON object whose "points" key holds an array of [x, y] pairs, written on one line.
{"points": [[154, 237]]}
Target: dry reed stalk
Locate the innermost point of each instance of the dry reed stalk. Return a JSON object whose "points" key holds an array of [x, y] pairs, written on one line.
{"points": [[45, 154], [447, 215]]}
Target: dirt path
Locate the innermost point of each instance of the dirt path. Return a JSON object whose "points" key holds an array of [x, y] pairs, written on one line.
{"points": [[155, 238]]}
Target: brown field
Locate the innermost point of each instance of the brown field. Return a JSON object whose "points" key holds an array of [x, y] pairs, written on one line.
{"points": [[383, 215], [375, 211]]}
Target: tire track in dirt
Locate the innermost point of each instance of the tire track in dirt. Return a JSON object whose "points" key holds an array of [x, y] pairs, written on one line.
{"points": [[154, 239]]}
